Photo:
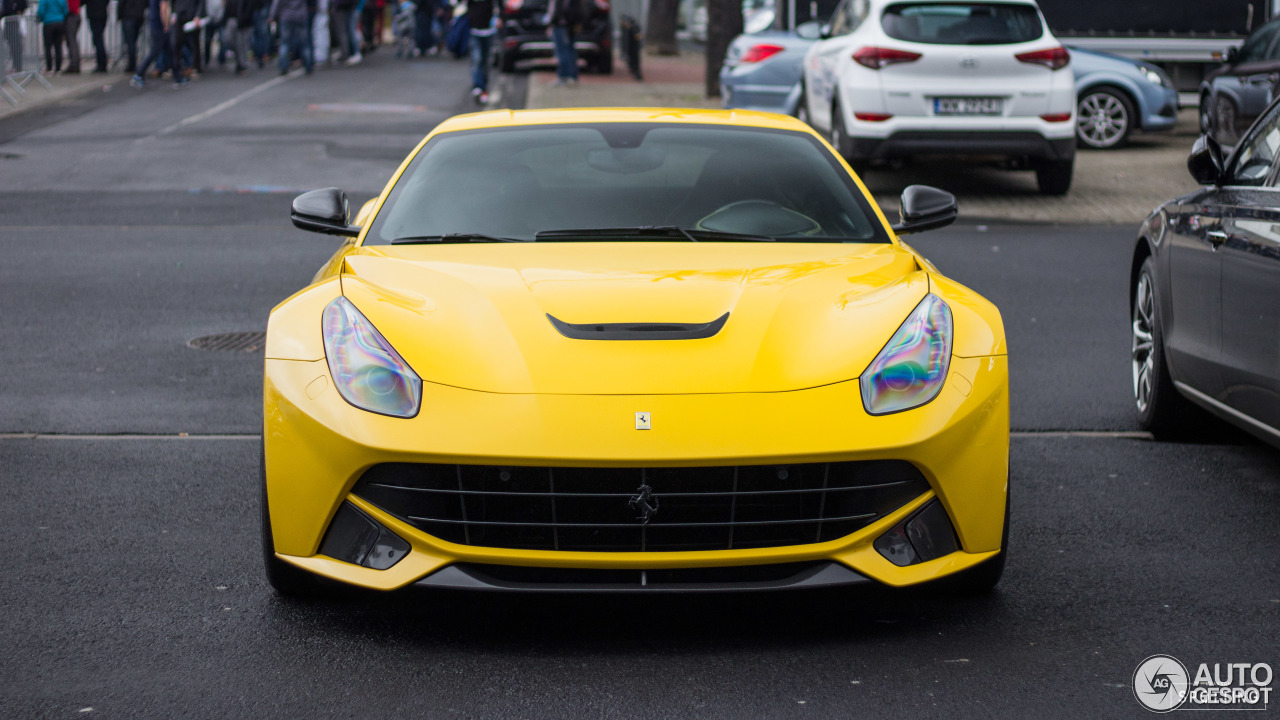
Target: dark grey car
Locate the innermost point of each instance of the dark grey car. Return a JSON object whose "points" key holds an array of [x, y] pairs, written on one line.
{"points": [[1205, 291]]}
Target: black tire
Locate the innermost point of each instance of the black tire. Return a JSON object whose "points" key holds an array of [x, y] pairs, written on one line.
{"points": [[839, 139], [802, 107], [508, 61], [1161, 408], [1104, 118], [982, 579], [1054, 176], [604, 63], [1225, 117], [287, 580], [1206, 116]]}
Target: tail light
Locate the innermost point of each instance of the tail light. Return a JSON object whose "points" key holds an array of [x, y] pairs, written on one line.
{"points": [[872, 117], [513, 5], [877, 57], [1053, 58], [1056, 117], [760, 52], [602, 5]]}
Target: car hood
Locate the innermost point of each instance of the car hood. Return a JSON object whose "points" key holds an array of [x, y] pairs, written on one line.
{"points": [[800, 315]]}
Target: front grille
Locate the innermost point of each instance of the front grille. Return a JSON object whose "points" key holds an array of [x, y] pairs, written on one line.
{"points": [[601, 509]]}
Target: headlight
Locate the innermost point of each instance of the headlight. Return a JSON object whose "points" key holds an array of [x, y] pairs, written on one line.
{"points": [[1156, 77], [368, 372], [911, 369]]}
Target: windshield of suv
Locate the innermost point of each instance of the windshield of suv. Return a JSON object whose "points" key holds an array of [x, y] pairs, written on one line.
{"points": [[693, 182], [962, 23]]}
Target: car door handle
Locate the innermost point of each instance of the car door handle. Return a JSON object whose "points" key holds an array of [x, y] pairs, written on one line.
{"points": [[1215, 237]]}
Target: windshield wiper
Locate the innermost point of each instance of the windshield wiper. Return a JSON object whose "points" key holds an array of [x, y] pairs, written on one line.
{"points": [[647, 231], [452, 238]]}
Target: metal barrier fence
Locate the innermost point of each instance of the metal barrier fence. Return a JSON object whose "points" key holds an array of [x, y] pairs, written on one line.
{"points": [[22, 38]]}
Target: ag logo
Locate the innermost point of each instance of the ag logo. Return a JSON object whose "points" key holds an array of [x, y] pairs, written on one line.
{"points": [[1160, 683], [642, 421]]}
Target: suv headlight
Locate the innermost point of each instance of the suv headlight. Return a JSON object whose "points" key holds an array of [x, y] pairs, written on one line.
{"points": [[912, 367], [1156, 77], [368, 372]]}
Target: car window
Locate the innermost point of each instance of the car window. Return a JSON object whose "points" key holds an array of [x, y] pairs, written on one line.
{"points": [[848, 17], [962, 23], [1258, 151], [1256, 45], [515, 182]]}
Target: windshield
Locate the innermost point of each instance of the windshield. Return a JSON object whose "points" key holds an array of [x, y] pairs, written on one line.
{"points": [[962, 23], [516, 182]]}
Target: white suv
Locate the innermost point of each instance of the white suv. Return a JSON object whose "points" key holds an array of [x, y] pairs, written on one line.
{"points": [[901, 78]]}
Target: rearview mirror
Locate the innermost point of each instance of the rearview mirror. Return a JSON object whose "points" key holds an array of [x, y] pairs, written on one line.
{"points": [[1233, 54], [1205, 161], [324, 211], [811, 30], [925, 208]]}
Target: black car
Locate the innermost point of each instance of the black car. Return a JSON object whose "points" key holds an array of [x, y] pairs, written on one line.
{"points": [[523, 35], [1233, 96], [1205, 291]]}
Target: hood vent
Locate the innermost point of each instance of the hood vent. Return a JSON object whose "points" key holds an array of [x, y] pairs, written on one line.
{"points": [[638, 330]]}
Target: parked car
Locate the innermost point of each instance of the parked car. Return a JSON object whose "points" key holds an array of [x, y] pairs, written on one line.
{"points": [[1205, 291], [1116, 95], [1233, 96], [613, 349], [523, 38]]}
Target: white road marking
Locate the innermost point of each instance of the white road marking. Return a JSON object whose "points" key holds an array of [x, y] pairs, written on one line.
{"points": [[226, 104]]}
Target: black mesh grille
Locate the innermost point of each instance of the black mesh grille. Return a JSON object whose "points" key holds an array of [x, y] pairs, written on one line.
{"points": [[704, 508]]}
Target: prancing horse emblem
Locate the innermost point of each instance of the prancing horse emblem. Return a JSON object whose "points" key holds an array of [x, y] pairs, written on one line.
{"points": [[645, 503]]}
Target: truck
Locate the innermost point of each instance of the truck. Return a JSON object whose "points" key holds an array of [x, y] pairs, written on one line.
{"points": [[1187, 38]]}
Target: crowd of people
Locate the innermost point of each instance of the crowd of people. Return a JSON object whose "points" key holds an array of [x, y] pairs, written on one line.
{"points": [[183, 34]]}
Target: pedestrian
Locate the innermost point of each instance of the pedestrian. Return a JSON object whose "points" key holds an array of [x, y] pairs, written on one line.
{"points": [[131, 14], [480, 16], [185, 35], [11, 30], [261, 37], [369, 25], [96, 12], [404, 27], [291, 16], [52, 15], [159, 16], [357, 42], [72, 36], [340, 23], [214, 13], [320, 36], [236, 22], [563, 18]]}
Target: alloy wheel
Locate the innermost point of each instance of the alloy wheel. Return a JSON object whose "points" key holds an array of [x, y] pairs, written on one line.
{"points": [[1102, 120], [1143, 346]]}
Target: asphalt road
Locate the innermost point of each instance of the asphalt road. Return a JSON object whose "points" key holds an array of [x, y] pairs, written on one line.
{"points": [[133, 572]]}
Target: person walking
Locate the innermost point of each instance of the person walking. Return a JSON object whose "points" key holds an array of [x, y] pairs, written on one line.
{"points": [[291, 16], [131, 14], [72, 36], [96, 12], [159, 15], [480, 14], [340, 25], [564, 17], [52, 15], [236, 23], [11, 30], [183, 41]]}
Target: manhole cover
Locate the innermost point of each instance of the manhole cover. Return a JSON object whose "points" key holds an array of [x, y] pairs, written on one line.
{"points": [[245, 342]]}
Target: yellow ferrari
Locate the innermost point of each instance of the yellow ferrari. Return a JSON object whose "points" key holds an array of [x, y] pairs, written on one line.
{"points": [[632, 350]]}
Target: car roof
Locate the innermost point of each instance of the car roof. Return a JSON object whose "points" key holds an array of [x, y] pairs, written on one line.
{"points": [[562, 116]]}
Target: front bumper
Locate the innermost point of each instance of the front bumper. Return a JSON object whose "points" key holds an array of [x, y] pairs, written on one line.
{"points": [[317, 447]]}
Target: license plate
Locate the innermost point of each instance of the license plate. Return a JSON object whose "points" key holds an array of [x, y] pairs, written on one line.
{"points": [[968, 106]]}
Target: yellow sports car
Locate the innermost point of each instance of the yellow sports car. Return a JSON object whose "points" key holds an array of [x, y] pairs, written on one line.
{"points": [[621, 350]]}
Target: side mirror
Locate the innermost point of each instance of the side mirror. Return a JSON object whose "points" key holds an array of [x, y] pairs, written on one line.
{"points": [[1233, 54], [925, 208], [324, 211], [811, 30], [1205, 162]]}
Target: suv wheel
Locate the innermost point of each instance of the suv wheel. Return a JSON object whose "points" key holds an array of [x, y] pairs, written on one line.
{"points": [[1054, 176]]}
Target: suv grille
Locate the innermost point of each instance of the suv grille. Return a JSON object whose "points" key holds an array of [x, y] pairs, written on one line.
{"points": [[601, 509]]}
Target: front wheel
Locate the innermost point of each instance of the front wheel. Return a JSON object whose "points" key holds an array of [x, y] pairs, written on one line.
{"points": [[1160, 406], [1054, 176], [1224, 121], [287, 580]]}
